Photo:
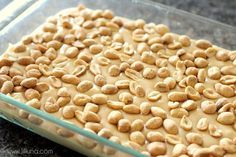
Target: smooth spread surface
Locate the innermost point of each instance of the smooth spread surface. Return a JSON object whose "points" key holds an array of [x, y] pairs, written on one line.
{"points": [[148, 85]]}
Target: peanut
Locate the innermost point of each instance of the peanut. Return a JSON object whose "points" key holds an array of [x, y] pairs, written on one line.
{"points": [[170, 126], [35, 103], [177, 96], [131, 109], [208, 107], [99, 80], [114, 117], [158, 112], [145, 108], [214, 73], [91, 107], [81, 99], [149, 73], [114, 71], [228, 145], [224, 90], [154, 96], [29, 82], [203, 44], [194, 138], [105, 132], [68, 112], [89, 116], [99, 99], [179, 149], [137, 137], [186, 123], [155, 136], [192, 93], [31, 94], [154, 123], [71, 79], [178, 112], [109, 89], [226, 118], [84, 86], [156, 148], [137, 125], [161, 87], [96, 127], [202, 124], [124, 125], [126, 97], [7, 87]]}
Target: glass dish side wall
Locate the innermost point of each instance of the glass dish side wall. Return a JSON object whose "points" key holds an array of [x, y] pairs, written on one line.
{"points": [[62, 132], [179, 22]]}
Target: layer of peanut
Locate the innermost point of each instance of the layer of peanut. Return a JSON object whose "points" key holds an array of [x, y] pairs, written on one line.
{"points": [[132, 82]]}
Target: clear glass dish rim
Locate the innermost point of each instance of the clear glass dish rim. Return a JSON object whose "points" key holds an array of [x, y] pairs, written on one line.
{"points": [[180, 11], [76, 129]]}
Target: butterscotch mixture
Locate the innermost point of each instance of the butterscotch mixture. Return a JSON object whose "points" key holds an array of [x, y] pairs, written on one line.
{"points": [[132, 82]]}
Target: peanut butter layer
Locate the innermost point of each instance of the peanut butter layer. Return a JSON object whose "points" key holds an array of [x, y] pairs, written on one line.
{"points": [[132, 82]]}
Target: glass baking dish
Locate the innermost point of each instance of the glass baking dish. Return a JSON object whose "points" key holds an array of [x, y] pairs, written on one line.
{"points": [[66, 133]]}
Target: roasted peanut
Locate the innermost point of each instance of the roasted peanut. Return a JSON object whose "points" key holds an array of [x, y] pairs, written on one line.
{"points": [[114, 117], [149, 73], [222, 55], [71, 79], [89, 116], [224, 90], [31, 94], [170, 126], [179, 149], [177, 96], [189, 105], [109, 89], [178, 112], [99, 80], [163, 72], [186, 123], [68, 112], [105, 132], [214, 73], [158, 112], [154, 123], [81, 99], [203, 44], [137, 137], [29, 82], [155, 136], [7, 87], [154, 96], [228, 145], [161, 87], [192, 93], [126, 97], [123, 125], [148, 57], [145, 108], [114, 71], [194, 138], [156, 148], [131, 109], [202, 124], [226, 118], [208, 107], [137, 125], [84, 86], [35, 103]]}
